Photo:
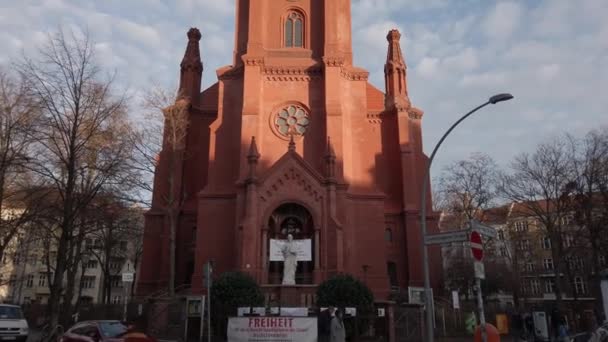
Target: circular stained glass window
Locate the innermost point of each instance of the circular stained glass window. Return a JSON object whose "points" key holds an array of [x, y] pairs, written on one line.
{"points": [[291, 120]]}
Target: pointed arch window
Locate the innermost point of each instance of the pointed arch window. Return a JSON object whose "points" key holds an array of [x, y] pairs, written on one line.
{"points": [[294, 30]]}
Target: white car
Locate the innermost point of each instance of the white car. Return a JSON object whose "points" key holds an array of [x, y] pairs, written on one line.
{"points": [[13, 326]]}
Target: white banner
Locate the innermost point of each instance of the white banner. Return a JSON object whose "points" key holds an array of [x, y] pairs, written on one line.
{"points": [[283, 329], [304, 248]]}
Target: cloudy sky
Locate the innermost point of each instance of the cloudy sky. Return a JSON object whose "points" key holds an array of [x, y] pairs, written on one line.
{"points": [[551, 54]]}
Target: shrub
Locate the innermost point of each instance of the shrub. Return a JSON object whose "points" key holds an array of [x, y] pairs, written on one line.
{"points": [[344, 291], [234, 289]]}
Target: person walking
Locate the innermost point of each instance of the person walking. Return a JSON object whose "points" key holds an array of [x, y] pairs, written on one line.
{"points": [[325, 325], [338, 333]]}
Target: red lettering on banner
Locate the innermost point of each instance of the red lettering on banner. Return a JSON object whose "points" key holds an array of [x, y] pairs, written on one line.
{"points": [[263, 323], [280, 323], [290, 322]]}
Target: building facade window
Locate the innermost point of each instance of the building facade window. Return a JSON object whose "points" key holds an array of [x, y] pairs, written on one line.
{"points": [[546, 243], [116, 300], [501, 235], [549, 286], [576, 263], [503, 252], [388, 235], [521, 226], [568, 240], [29, 281], [392, 274], [530, 267], [116, 281], [292, 120], [523, 245], [91, 264], [534, 286], [602, 260], [88, 282], [294, 30], [42, 279], [548, 264], [580, 286]]}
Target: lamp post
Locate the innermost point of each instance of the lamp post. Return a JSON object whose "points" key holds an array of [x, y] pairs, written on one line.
{"points": [[425, 253]]}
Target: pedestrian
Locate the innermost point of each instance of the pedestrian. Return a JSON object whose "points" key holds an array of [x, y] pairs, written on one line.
{"points": [[325, 325], [338, 333], [562, 331], [135, 332]]}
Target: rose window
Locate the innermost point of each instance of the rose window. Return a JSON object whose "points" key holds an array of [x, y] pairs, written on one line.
{"points": [[292, 120]]}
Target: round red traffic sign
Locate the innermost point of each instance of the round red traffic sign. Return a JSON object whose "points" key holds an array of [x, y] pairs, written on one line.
{"points": [[476, 246]]}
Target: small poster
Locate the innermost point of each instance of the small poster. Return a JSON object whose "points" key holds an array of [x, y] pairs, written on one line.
{"points": [[259, 311], [352, 312], [294, 312], [381, 312], [243, 311]]}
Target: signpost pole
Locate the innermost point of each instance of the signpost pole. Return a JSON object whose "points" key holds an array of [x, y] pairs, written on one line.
{"points": [[208, 284], [482, 316]]}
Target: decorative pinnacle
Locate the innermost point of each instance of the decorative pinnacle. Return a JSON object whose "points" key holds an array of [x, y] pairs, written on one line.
{"points": [[253, 155], [393, 35], [292, 144], [329, 153], [194, 34]]}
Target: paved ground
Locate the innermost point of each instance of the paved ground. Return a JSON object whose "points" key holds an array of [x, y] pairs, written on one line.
{"points": [[470, 339]]}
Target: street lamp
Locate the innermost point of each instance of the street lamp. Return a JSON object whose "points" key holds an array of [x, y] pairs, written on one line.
{"points": [[425, 253]]}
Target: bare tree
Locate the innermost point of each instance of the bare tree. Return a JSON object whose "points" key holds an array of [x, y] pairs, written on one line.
{"points": [[81, 143], [19, 197], [591, 201], [466, 188], [469, 186], [118, 237], [541, 184], [175, 110]]}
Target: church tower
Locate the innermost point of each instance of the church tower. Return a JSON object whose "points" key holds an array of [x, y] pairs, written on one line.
{"points": [[294, 140]]}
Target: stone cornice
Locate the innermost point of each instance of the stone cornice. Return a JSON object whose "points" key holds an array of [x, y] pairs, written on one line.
{"points": [[375, 118], [292, 73], [230, 73], [352, 74], [334, 61]]}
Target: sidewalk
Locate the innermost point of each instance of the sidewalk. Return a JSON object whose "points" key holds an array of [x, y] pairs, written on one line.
{"points": [[470, 339]]}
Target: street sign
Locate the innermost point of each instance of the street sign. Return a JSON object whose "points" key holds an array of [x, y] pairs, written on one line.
{"points": [[127, 277], [480, 270], [484, 230], [476, 246], [446, 238]]}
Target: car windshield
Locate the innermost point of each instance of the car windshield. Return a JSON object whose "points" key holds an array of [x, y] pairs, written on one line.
{"points": [[112, 329], [10, 312]]}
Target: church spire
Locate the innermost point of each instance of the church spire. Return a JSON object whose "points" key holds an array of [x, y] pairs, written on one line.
{"points": [[395, 74], [191, 68]]}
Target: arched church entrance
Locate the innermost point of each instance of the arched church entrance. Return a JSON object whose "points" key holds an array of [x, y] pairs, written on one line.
{"points": [[294, 219]]}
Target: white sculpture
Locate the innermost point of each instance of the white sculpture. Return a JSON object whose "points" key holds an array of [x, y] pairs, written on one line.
{"points": [[290, 261]]}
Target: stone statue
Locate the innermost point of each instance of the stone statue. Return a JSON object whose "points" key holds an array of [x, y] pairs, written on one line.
{"points": [[290, 261]]}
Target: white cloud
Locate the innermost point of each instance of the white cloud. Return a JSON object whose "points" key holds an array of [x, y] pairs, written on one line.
{"points": [[549, 71], [503, 20], [428, 67], [486, 79], [465, 60]]}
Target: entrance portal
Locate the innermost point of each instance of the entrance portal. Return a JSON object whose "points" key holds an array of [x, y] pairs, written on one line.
{"points": [[294, 219]]}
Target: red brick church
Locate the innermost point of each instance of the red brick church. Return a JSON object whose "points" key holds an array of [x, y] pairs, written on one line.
{"points": [[293, 139]]}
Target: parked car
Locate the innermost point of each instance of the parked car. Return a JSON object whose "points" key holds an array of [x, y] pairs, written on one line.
{"points": [[95, 331], [13, 326]]}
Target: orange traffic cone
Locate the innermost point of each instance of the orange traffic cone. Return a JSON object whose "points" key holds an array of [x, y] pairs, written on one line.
{"points": [[493, 335]]}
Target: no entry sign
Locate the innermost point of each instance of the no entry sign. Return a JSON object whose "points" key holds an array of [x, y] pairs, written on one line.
{"points": [[476, 246]]}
